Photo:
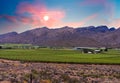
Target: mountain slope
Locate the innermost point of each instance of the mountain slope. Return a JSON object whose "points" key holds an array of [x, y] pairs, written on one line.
{"points": [[66, 37]]}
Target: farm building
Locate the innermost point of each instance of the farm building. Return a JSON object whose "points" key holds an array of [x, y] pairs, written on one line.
{"points": [[89, 50]]}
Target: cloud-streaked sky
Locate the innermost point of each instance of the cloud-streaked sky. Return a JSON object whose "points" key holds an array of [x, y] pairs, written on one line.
{"points": [[21, 15]]}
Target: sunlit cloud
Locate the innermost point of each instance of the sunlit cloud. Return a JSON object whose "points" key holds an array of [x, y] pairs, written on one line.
{"points": [[37, 13], [9, 18], [33, 14]]}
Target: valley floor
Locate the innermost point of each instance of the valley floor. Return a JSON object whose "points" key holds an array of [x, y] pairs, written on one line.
{"points": [[24, 72]]}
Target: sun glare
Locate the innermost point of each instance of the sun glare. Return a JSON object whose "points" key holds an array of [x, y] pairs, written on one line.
{"points": [[46, 18]]}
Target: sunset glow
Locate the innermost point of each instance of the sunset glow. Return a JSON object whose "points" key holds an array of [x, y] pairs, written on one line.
{"points": [[46, 18], [30, 14]]}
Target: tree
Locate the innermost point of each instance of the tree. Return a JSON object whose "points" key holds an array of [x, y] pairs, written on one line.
{"points": [[106, 49], [0, 47]]}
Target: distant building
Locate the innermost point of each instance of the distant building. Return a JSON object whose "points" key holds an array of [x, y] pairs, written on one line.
{"points": [[89, 50]]}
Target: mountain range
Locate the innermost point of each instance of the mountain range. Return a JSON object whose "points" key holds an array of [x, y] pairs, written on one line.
{"points": [[91, 36]]}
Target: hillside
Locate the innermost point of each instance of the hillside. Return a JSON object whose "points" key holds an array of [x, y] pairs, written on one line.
{"points": [[66, 37]]}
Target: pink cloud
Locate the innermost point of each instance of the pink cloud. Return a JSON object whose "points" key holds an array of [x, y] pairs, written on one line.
{"points": [[90, 17], [9, 18], [0, 16], [37, 12], [25, 20]]}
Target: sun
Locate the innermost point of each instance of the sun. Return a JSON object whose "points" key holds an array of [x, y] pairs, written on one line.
{"points": [[46, 18]]}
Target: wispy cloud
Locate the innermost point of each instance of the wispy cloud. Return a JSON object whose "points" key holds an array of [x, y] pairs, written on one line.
{"points": [[80, 23], [9, 18], [93, 2], [107, 12], [34, 13], [115, 23], [106, 5]]}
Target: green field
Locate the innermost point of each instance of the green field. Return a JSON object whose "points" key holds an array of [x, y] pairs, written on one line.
{"points": [[64, 55]]}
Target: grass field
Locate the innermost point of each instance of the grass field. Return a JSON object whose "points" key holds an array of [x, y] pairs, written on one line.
{"points": [[66, 56]]}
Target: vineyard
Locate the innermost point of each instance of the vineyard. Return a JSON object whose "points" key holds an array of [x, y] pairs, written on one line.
{"points": [[60, 56]]}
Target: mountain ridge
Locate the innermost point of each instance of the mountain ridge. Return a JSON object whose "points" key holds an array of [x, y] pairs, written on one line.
{"points": [[66, 37]]}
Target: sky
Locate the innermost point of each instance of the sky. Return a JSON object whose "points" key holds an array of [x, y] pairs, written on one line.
{"points": [[22, 15]]}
